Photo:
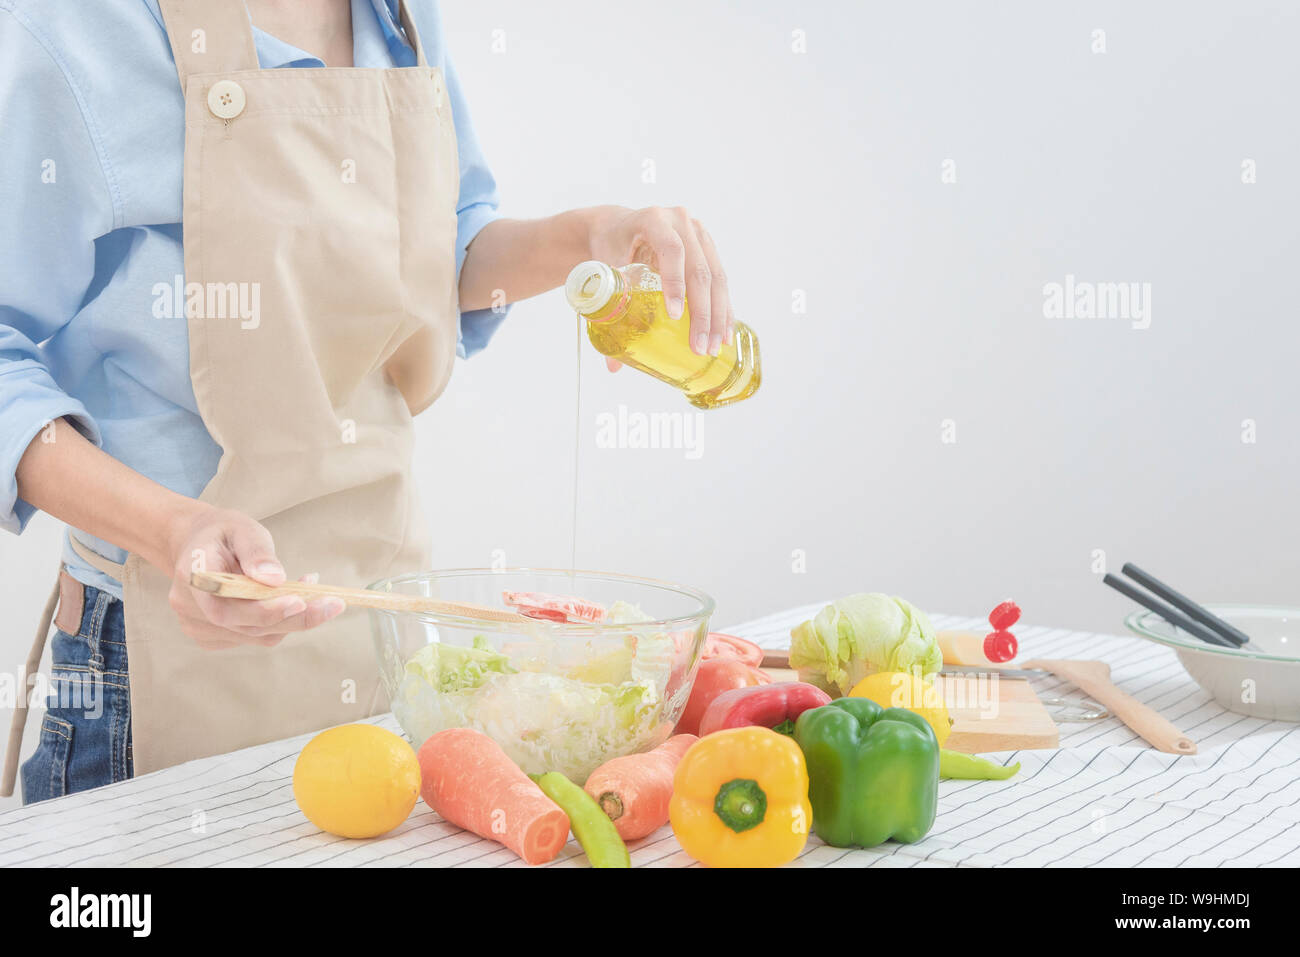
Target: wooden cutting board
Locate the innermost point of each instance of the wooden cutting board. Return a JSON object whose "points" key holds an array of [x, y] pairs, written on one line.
{"points": [[1002, 715]]}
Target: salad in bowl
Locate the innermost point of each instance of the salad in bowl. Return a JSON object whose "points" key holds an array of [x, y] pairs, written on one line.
{"points": [[603, 667]]}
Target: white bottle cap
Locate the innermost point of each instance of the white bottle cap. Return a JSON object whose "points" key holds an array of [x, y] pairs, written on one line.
{"points": [[589, 286]]}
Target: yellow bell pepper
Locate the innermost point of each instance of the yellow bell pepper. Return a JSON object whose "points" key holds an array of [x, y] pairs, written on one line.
{"points": [[740, 799]]}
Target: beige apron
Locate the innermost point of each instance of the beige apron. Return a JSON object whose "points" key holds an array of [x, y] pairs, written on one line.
{"points": [[328, 198]]}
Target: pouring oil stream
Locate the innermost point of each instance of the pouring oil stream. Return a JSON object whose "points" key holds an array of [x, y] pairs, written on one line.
{"points": [[577, 443]]}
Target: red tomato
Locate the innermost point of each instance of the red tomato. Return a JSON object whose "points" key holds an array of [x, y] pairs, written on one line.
{"points": [[718, 645], [715, 676]]}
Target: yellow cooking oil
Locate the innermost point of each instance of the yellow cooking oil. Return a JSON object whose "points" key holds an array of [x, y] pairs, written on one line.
{"points": [[627, 319]]}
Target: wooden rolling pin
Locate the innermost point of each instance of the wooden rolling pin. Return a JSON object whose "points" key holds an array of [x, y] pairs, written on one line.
{"points": [[1093, 679], [226, 585]]}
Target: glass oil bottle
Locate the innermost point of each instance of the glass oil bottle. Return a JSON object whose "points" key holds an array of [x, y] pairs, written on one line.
{"points": [[627, 319]]}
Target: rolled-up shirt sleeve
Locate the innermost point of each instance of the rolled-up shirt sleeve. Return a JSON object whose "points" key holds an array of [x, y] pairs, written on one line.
{"points": [[475, 208], [56, 199]]}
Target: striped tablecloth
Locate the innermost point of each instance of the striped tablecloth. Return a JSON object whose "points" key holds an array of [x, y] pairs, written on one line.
{"points": [[1102, 799]]}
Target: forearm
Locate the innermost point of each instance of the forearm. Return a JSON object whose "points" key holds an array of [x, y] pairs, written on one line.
{"points": [[524, 257], [84, 486]]}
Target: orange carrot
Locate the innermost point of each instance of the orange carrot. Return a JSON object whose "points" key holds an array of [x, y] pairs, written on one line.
{"points": [[468, 780], [634, 790]]}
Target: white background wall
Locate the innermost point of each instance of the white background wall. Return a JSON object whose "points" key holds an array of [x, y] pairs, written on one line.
{"points": [[820, 172]]}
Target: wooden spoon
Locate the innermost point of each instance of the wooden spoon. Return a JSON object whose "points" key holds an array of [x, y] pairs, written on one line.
{"points": [[1093, 678], [226, 585]]}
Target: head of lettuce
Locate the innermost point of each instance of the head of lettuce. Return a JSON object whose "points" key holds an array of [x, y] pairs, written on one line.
{"points": [[860, 635]]}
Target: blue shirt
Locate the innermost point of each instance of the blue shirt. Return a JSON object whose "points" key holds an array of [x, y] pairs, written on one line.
{"points": [[91, 148]]}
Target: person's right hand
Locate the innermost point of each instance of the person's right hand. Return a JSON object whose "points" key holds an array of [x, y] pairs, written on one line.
{"points": [[219, 540]]}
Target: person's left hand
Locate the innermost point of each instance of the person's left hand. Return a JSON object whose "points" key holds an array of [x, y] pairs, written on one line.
{"points": [[681, 250]]}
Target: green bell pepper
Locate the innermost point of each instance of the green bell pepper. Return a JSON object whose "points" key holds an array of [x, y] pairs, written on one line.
{"points": [[873, 773]]}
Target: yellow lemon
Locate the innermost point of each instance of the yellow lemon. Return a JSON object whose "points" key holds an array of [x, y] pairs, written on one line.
{"points": [[356, 781], [898, 689]]}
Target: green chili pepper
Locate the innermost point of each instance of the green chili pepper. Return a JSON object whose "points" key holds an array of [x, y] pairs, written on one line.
{"points": [[591, 826], [971, 767]]}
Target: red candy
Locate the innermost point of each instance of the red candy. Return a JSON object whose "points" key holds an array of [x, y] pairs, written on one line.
{"points": [[1004, 616], [1000, 646]]}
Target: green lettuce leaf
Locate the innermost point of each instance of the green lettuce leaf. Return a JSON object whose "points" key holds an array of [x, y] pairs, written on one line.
{"points": [[450, 668], [860, 635]]}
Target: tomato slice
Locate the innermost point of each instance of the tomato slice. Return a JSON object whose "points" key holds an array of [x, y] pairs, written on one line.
{"points": [[1004, 616], [1000, 646], [718, 645], [553, 607]]}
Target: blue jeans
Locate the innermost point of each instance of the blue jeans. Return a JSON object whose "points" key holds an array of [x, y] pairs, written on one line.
{"points": [[85, 737]]}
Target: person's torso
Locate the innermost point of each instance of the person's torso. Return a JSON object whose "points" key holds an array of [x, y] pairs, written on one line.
{"points": [[125, 353]]}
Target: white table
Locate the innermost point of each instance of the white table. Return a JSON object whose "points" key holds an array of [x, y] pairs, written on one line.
{"points": [[1102, 799]]}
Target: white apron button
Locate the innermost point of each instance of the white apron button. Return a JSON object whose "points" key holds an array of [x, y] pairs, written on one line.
{"points": [[226, 99], [437, 90]]}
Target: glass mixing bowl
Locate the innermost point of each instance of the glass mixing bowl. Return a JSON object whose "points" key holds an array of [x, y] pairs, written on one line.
{"points": [[555, 696]]}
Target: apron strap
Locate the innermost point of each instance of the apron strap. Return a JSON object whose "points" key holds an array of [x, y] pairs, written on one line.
{"points": [[209, 36], [412, 34], [112, 569], [19, 722]]}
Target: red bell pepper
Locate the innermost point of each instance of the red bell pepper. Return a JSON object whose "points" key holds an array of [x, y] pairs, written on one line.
{"points": [[769, 706]]}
